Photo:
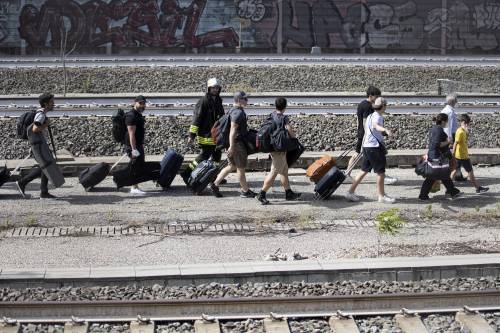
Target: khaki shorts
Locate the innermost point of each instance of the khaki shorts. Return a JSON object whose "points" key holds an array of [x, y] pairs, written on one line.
{"points": [[279, 165], [239, 158]]}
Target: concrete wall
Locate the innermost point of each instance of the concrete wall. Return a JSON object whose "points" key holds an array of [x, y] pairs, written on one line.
{"points": [[159, 26]]}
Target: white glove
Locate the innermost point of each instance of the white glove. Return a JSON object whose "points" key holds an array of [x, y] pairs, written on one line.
{"points": [[135, 153]]}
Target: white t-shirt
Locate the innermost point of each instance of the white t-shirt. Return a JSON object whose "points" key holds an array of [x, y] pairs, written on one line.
{"points": [[372, 136], [452, 121]]}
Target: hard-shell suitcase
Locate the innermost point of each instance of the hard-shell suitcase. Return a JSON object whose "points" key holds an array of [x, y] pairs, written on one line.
{"points": [[127, 177], [293, 155], [329, 183], [92, 176], [204, 173], [170, 165], [320, 167]]}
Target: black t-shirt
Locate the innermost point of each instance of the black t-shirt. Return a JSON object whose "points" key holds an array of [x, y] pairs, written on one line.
{"points": [[365, 109], [437, 135], [134, 118]]}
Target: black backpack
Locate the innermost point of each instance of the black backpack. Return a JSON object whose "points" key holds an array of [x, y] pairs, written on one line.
{"points": [[23, 123], [220, 131], [263, 141], [119, 129], [280, 138]]}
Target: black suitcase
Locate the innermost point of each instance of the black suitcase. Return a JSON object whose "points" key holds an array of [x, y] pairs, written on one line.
{"points": [[92, 176], [128, 177], [204, 173], [293, 155], [170, 165], [329, 183], [4, 175]]}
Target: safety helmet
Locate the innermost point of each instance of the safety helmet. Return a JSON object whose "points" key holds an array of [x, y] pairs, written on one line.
{"points": [[213, 82]]}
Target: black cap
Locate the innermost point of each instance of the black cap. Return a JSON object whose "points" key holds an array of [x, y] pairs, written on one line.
{"points": [[140, 98]]}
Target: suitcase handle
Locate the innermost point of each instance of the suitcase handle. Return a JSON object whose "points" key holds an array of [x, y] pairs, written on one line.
{"points": [[117, 162]]}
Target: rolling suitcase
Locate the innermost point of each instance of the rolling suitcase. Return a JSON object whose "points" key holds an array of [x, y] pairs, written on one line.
{"points": [[170, 165], [319, 168], [126, 177], [92, 176], [293, 155], [204, 173], [329, 183]]}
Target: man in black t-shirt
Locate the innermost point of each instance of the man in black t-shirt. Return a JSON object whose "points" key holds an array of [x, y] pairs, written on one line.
{"points": [[365, 108], [134, 139]]}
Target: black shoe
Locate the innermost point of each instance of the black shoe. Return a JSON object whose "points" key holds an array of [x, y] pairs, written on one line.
{"points": [[291, 196], [21, 187], [423, 198], [248, 194], [456, 194], [482, 189], [47, 196], [215, 190], [262, 199]]}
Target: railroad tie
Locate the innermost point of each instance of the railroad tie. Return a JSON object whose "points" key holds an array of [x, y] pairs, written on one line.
{"points": [[410, 323], [8, 325], [276, 324], [76, 326], [473, 322], [142, 325], [207, 326], [340, 324]]}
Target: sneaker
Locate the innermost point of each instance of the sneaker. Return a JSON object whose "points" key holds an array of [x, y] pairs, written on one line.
{"points": [[482, 189], [386, 199], [262, 199], [21, 188], [291, 196], [136, 191], [47, 196], [248, 194], [215, 190], [351, 197], [390, 180]]}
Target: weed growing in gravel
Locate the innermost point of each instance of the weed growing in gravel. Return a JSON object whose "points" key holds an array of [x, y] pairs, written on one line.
{"points": [[427, 213], [7, 224], [110, 216], [87, 85], [390, 222], [305, 219], [31, 221]]}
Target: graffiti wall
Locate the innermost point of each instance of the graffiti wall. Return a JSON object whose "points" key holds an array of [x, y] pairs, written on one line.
{"points": [[344, 25]]}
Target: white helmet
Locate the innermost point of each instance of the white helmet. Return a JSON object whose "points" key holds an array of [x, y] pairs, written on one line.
{"points": [[213, 82]]}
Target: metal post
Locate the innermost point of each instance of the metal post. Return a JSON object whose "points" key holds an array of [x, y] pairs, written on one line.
{"points": [[279, 41], [444, 19]]}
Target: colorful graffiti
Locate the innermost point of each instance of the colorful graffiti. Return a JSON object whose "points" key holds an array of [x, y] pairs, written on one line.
{"points": [[333, 24]]}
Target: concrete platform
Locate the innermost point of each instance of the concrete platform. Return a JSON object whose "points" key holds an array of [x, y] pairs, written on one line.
{"points": [[72, 166], [388, 269]]}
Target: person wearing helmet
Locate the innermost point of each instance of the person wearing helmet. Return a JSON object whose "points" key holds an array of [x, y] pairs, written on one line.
{"points": [[207, 111]]}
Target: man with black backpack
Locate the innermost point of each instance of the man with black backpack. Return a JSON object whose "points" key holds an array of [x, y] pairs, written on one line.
{"points": [[207, 111], [281, 141], [134, 139], [237, 152], [40, 123]]}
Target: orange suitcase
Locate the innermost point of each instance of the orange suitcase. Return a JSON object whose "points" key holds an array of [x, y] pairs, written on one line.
{"points": [[319, 168]]}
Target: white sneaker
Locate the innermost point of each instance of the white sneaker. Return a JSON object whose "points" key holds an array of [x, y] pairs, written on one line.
{"points": [[136, 191], [351, 197], [386, 199], [390, 180]]}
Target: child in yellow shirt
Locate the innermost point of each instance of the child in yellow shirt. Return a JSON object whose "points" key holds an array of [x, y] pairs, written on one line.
{"points": [[461, 152]]}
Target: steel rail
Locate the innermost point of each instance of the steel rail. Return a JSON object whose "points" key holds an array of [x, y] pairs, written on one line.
{"points": [[251, 307]]}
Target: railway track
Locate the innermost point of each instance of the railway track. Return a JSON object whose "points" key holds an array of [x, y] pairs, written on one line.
{"points": [[206, 314], [260, 104]]}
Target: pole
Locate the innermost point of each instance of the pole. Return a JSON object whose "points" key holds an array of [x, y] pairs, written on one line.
{"points": [[279, 40]]}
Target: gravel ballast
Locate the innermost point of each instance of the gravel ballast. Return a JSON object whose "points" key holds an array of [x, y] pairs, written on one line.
{"points": [[418, 79], [272, 289], [92, 136]]}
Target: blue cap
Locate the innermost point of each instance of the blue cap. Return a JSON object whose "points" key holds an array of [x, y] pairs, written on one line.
{"points": [[240, 95]]}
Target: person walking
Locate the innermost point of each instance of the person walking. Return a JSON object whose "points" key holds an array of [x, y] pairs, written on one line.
{"points": [[134, 140], [279, 164], [374, 153], [237, 152], [207, 111], [40, 125], [449, 111], [461, 153], [439, 149]]}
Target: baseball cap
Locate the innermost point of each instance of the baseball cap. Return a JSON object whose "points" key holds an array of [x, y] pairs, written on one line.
{"points": [[240, 95], [140, 98], [213, 82]]}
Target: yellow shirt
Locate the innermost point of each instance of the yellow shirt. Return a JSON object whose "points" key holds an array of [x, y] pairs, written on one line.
{"points": [[461, 151]]}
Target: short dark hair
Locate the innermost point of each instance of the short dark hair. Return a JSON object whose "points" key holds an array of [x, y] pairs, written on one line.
{"points": [[373, 91], [465, 118], [280, 103], [45, 98], [441, 118]]}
